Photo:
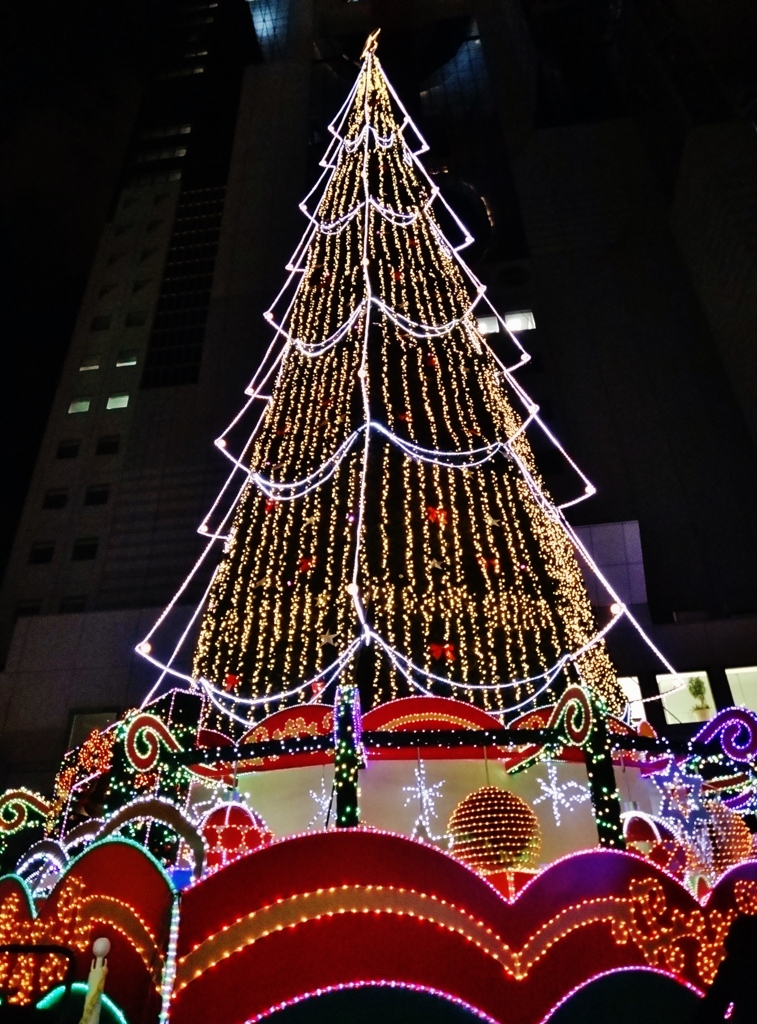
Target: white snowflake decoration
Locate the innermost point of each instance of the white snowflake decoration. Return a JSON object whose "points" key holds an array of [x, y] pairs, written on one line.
{"points": [[323, 802], [426, 796], [562, 795]]}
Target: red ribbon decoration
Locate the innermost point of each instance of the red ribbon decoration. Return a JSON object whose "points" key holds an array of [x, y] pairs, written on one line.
{"points": [[446, 651]]}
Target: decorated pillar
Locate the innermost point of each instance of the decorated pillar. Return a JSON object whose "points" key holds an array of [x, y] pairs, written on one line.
{"points": [[348, 755]]}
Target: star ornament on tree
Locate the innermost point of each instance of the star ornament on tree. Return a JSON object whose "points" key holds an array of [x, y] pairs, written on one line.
{"points": [[562, 795]]}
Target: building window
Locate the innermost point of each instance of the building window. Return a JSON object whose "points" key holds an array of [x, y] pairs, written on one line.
{"points": [[161, 154], [174, 352], [100, 323], [686, 697], [85, 549], [126, 357], [83, 722], [55, 498], [743, 684], [488, 324], [108, 445], [632, 692], [97, 494], [136, 318], [79, 405], [117, 402], [174, 129], [68, 449], [25, 609], [520, 320], [76, 603], [41, 553], [89, 363]]}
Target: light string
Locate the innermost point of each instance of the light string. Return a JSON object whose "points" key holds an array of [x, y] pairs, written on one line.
{"points": [[360, 317]]}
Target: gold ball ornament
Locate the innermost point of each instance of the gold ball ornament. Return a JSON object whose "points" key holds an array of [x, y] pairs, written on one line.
{"points": [[493, 830], [730, 838]]}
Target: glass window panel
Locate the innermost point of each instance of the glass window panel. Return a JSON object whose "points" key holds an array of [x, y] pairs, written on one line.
{"points": [[743, 683], [520, 320], [686, 697], [632, 691], [488, 324]]}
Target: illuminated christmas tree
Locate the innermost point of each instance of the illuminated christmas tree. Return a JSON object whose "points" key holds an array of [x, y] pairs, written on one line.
{"points": [[390, 511]]}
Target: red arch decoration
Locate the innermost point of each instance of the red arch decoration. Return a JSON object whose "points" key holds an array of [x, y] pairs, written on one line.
{"points": [[114, 889], [357, 907]]}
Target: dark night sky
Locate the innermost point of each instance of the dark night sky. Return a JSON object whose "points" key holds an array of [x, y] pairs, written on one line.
{"points": [[70, 83]]}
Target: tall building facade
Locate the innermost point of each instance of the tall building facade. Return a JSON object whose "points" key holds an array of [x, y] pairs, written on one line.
{"points": [[603, 157]]}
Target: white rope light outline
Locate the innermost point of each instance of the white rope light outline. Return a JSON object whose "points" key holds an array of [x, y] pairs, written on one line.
{"points": [[297, 489]]}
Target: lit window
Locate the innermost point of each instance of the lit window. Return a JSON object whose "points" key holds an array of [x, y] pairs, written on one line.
{"points": [[80, 405], [84, 550], [743, 683], [41, 553], [97, 494], [632, 692], [686, 697], [89, 363], [117, 402], [488, 325], [55, 498], [520, 320], [126, 357]]}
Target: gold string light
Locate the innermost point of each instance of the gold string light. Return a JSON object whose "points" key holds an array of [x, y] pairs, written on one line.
{"points": [[491, 580]]}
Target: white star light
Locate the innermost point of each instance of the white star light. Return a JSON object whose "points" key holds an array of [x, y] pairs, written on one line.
{"points": [[323, 802], [561, 795], [426, 796]]}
